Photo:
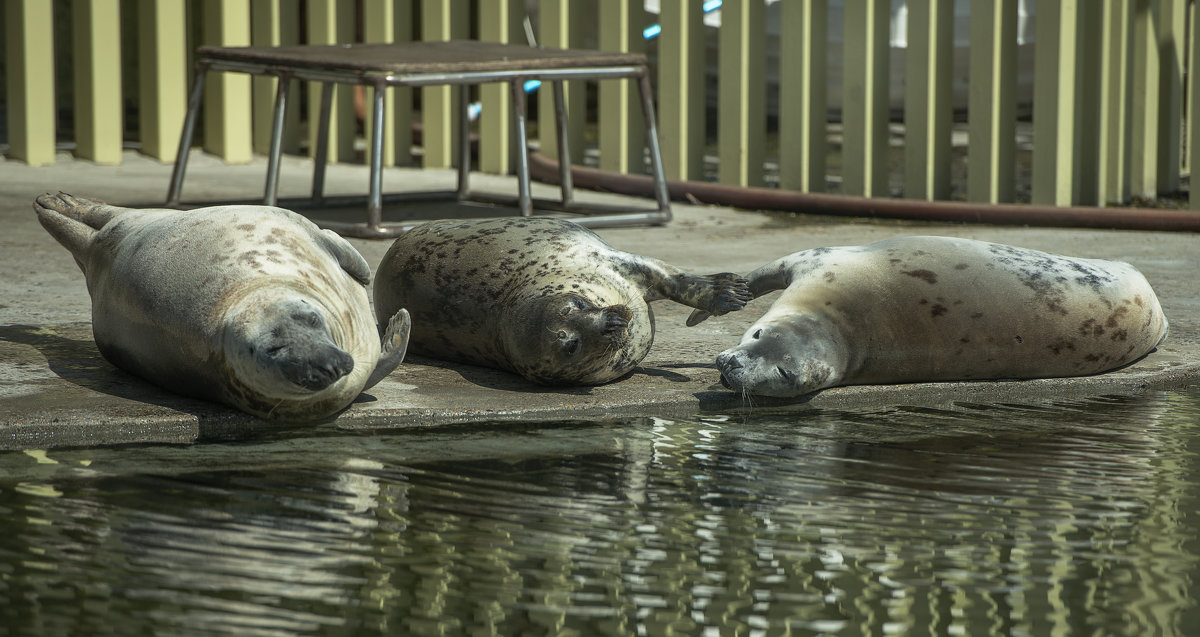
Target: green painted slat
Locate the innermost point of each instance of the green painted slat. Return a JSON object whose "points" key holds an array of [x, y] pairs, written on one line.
{"points": [[681, 88], [992, 108], [1056, 165], [162, 76], [274, 23], [560, 25], [803, 107], [29, 52], [622, 130], [388, 21], [499, 21], [741, 118], [332, 22], [1193, 115], [865, 98], [99, 127], [441, 20], [928, 99], [227, 95], [1115, 130]]}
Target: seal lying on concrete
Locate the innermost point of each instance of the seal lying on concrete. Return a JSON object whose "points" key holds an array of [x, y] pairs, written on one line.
{"points": [[544, 298], [251, 306], [937, 308]]}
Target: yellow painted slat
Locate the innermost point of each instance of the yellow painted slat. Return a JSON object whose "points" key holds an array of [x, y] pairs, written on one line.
{"points": [[162, 76], [1193, 114], [741, 118], [865, 98], [274, 23], [499, 21], [928, 99], [992, 108], [227, 95], [681, 88], [29, 52], [560, 24], [1157, 96], [1172, 27], [332, 22], [1115, 130], [1055, 164], [99, 127], [401, 99], [379, 26], [622, 130], [803, 107], [441, 20]]}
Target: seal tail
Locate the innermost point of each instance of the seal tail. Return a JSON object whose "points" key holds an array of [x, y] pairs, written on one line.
{"points": [[72, 221]]}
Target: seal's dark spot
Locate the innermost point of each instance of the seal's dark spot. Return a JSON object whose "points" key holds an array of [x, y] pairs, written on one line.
{"points": [[927, 276], [938, 310], [1018, 339]]}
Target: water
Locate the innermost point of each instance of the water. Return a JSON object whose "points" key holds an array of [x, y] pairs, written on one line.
{"points": [[1055, 518]]}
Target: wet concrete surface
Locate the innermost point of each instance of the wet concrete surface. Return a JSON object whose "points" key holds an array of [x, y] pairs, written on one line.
{"points": [[57, 390]]}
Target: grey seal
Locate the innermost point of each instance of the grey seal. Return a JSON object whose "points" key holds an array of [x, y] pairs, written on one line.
{"points": [[937, 308], [251, 306], [542, 297]]}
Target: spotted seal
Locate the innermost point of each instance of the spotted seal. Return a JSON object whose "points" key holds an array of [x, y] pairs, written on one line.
{"points": [[251, 306], [938, 308], [545, 298]]}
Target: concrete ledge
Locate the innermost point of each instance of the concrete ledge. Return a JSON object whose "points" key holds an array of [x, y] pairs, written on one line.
{"points": [[56, 390]]}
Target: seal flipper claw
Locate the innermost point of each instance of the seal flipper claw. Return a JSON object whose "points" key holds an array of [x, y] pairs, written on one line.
{"points": [[395, 345]]}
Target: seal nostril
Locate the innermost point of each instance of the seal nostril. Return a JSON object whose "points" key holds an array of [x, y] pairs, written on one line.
{"points": [[785, 373]]}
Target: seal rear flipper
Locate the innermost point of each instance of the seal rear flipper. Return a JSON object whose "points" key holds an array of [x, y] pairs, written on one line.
{"points": [[72, 221], [395, 345], [350, 259]]}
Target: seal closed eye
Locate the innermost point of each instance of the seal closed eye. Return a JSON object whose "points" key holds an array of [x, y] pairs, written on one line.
{"points": [[544, 298]]}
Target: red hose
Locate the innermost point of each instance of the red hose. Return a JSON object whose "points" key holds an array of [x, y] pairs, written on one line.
{"points": [[546, 169]]}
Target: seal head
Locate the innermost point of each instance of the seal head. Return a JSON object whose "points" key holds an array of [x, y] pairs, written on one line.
{"points": [[566, 339]]}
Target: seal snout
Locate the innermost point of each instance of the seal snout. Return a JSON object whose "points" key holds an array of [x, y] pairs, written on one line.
{"points": [[728, 363], [323, 369], [615, 320]]}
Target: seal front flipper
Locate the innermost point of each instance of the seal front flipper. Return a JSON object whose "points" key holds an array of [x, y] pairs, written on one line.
{"points": [[351, 261], [395, 345], [776, 275]]}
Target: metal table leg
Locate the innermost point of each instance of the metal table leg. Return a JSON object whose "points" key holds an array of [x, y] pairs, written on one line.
{"points": [[525, 200], [375, 203], [464, 141], [271, 195], [322, 151], [656, 162], [564, 150], [185, 138]]}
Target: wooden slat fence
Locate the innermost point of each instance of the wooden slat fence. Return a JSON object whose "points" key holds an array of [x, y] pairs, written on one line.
{"points": [[1107, 109]]}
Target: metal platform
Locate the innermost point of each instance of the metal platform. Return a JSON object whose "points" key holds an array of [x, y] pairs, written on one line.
{"points": [[460, 63]]}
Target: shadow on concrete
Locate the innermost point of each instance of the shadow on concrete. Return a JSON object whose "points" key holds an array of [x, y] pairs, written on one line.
{"points": [[73, 357]]}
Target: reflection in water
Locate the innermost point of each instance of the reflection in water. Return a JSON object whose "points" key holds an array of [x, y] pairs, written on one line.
{"points": [[1065, 518]]}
